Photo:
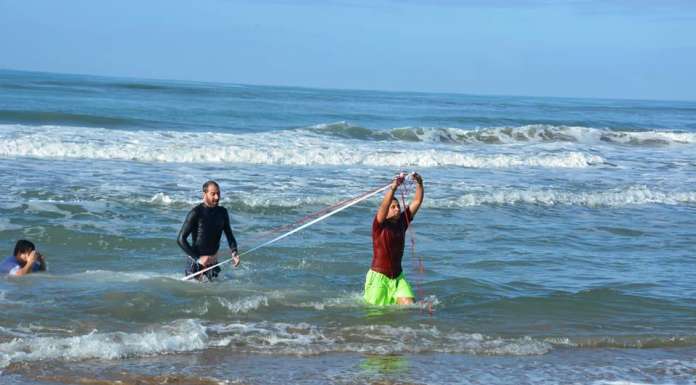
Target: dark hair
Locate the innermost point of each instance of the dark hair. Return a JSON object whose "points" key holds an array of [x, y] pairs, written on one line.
{"points": [[23, 246], [397, 202], [208, 183]]}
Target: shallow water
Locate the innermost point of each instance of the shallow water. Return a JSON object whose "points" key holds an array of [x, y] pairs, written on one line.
{"points": [[557, 235]]}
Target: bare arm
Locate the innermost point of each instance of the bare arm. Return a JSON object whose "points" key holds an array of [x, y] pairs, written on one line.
{"points": [[383, 209], [28, 265], [418, 199]]}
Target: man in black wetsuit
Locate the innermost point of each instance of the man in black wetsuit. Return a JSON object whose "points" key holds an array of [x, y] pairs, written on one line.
{"points": [[205, 223]]}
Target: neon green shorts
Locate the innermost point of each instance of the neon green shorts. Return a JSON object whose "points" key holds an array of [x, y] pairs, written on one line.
{"points": [[382, 290]]}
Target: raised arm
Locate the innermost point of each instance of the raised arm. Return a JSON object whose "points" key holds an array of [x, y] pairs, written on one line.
{"points": [[383, 209], [28, 265], [418, 199], [185, 231]]}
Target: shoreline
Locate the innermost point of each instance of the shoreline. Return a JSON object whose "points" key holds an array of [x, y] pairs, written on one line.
{"points": [[561, 366]]}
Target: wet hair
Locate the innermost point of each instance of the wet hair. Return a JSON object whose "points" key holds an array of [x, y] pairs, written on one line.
{"points": [[23, 246], [208, 183], [397, 202]]}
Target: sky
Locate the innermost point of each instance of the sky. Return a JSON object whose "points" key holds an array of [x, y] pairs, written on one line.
{"points": [[635, 49]]}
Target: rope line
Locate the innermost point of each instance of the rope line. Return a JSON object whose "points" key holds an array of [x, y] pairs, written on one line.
{"points": [[417, 261], [340, 207], [307, 217]]}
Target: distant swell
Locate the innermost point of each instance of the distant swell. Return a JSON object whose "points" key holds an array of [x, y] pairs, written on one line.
{"points": [[91, 85], [50, 117]]}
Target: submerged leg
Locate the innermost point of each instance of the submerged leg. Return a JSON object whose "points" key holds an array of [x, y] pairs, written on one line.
{"points": [[404, 300]]}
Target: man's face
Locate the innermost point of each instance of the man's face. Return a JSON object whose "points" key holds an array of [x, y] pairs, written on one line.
{"points": [[394, 210], [211, 198]]}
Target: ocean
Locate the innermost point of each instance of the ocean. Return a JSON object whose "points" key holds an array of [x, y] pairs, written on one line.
{"points": [[557, 236]]}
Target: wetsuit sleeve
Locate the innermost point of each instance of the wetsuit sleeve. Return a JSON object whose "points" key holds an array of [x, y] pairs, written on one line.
{"points": [[186, 229], [228, 233]]}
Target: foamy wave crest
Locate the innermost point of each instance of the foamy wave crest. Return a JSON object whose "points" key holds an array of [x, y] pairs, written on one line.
{"points": [[633, 195], [353, 299], [241, 305], [179, 336], [507, 135], [162, 198], [244, 305], [306, 339], [433, 158], [290, 148], [246, 200], [645, 342], [626, 196]]}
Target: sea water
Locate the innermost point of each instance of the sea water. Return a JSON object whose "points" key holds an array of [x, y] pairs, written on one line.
{"points": [[557, 236]]}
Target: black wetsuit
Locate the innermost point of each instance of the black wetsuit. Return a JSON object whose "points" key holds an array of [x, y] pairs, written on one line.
{"points": [[205, 225]]}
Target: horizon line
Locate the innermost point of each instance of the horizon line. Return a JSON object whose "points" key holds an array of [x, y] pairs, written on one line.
{"points": [[221, 82]]}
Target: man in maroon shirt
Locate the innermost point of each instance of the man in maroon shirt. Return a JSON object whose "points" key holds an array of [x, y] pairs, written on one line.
{"points": [[385, 283]]}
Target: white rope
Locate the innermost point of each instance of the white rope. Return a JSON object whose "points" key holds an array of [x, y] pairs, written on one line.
{"points": [[358, 200]]}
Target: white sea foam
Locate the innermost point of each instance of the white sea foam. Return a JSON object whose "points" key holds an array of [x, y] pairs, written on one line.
{"points": [[161, 198], [625, 196], [244, 305], [290, 148], [255, 200], [304, 338], [180, 336], [268, 338], [353, 299], [633, 195], [241, 305], [533, 133]]}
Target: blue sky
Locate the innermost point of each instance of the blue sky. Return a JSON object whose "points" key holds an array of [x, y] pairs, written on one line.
{"points": [[586, 48]]}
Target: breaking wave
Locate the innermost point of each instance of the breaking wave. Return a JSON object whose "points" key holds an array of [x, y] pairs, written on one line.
{"points": [[633, 195], [306, 339], [280, 338], [626, 196], [290, 148], [508, 135], [180, 336], [260, 337]]}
